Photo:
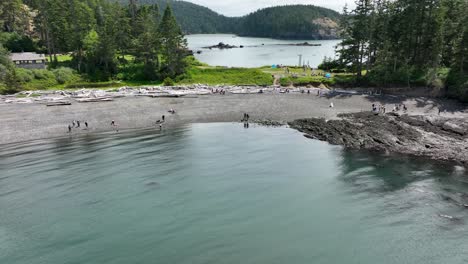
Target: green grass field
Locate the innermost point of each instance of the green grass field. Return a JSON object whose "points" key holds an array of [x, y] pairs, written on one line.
{"points": [[62, 58], [228, 76]]}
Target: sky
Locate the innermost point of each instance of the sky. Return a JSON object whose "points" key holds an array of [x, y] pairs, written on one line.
{"points": [[244, 7]]}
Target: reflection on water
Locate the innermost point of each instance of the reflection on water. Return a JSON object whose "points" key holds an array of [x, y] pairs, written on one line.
{"points": [[219, 193]]}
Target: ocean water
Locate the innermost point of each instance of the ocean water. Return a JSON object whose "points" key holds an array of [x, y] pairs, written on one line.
{"points": [[259, 51], [219, 193]]}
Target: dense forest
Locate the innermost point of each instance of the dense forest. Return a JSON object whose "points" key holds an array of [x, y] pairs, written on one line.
{"points": [[103, 40], [290, 22], [194, 19], [407, 42]]}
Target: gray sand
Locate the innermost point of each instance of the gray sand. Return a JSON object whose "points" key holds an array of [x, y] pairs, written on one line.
{"points": [[24, 122]]}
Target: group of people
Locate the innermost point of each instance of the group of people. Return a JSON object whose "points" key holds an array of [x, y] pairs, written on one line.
{"points": [[399, 107], [377, 109], [76, 124], [113, 124], [245, 119], [161, 121], [382, 109]]}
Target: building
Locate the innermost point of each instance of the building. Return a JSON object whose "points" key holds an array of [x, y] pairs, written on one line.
{"points": [[29, 60]]}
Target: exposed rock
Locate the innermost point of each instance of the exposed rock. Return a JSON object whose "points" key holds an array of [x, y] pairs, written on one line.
{"points": [[434, 137], [307, 44], [221, 45], [269, 123]]}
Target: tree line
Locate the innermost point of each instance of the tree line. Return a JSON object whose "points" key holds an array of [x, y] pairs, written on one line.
{"points": [[407, 42], [287, 22], [102, 37], [193, 18]]}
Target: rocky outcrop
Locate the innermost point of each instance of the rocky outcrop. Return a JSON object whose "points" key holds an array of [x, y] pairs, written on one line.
{"points": [[269, 123], [435, 137], [221, 45]]}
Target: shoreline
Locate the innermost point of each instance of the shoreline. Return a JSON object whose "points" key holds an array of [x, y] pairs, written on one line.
{"points": [[432, 137], [33, 121]]}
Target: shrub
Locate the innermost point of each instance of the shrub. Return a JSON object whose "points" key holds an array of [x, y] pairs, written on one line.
{"points": [[41, 74], [168, 82], [63, 75], [10, 83], [24, 75], [3, 72]]}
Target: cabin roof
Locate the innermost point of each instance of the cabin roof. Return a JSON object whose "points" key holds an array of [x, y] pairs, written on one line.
{"points": [[27, 56]]}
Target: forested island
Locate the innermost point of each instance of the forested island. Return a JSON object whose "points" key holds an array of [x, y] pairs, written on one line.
{"points": [[284, 22]]}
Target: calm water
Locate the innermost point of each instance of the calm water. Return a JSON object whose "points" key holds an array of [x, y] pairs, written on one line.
{"points": [[219, 193], [268, 54]]}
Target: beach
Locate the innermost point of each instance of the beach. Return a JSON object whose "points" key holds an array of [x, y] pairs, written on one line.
{"points": [[31, 121]]}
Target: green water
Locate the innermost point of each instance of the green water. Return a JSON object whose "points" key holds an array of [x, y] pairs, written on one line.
{"points": [[219, 193]]}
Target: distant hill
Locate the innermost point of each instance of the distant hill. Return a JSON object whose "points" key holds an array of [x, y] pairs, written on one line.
{"points": [[291, 22], [288, 22]]}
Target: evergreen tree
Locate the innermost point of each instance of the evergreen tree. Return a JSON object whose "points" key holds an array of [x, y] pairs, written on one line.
{"points": [[174, 45], [354, 49], [12, 15], [147, 43], [9, 82], [460, 58]]}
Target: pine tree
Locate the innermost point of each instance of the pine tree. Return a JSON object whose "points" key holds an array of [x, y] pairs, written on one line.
{"points": [[146, 44], [174, 45], [354, 49], [460, 62]]}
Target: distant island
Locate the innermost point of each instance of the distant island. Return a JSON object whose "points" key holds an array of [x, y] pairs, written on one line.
{"points": [[281, 22]]}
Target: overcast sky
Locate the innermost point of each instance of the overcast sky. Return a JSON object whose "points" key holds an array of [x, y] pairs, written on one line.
{"points": [[243, 7]]}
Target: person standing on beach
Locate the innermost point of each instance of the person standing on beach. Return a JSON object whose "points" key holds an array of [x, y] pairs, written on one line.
{"points": [[77, 123], [73, 123], [163, 118], [86, 124]]}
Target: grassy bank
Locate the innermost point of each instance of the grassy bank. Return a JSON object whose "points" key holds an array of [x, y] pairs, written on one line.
{"points": [[197, 73]]}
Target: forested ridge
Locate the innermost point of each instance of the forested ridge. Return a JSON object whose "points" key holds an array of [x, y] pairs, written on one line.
{"points": [[290, 21], [193, 18], [103, 40], [406, 43]]}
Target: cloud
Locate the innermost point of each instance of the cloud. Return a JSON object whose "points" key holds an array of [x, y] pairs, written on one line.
{"points": [[243, 7]]}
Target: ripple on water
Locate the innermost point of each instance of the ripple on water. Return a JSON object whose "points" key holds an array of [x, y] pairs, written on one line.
{"points": [[218, 193]]}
